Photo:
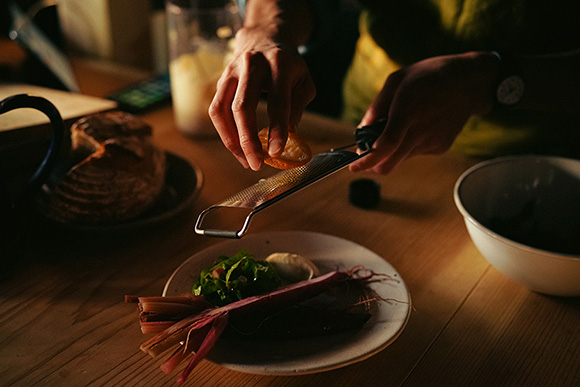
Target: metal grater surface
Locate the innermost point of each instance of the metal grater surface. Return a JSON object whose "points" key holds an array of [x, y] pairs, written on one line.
{"points": [[273, 188], [270, 190]]}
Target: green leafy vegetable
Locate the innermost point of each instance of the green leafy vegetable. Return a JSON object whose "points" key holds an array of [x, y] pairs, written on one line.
{"points": [[235, 278]]}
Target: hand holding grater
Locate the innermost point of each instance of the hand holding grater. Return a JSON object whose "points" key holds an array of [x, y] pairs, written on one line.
{"points": [[270, 190]]}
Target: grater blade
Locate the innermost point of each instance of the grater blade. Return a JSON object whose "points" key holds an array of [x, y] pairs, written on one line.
{"points": [[272, 189]]}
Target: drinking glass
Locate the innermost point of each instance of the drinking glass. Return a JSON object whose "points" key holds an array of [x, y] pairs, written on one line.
{"points": [[200, 40]]}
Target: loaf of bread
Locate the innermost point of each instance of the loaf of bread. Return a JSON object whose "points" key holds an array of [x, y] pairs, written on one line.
{"points": [[119, 175]]}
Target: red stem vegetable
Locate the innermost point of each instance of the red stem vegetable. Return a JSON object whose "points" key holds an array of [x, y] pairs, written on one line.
{"points": [[198, 332]]}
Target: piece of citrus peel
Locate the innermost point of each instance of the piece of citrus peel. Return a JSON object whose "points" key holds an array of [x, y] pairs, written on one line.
{"points": [[295, 154]]}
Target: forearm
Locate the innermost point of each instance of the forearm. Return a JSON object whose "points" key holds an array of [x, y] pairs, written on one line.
{"points": [[285, 21]]}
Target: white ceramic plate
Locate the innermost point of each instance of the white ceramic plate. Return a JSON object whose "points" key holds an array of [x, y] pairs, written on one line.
{"points": [[314, 354]]}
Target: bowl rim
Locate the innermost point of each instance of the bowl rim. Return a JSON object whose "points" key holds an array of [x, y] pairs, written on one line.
{"points": [[467, 216]]}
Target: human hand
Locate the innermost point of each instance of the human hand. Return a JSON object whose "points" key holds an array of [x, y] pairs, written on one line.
{"points": [[260, 65], [427, 105]]}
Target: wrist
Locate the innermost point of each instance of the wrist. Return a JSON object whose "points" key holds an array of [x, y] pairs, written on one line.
{"points": [[289, 23]]}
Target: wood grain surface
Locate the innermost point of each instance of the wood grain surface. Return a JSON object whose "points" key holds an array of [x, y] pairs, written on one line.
{"points": [[63, 321]]}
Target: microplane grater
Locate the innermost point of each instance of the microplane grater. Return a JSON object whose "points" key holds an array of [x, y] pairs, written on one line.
{"points": [[278, 186]]}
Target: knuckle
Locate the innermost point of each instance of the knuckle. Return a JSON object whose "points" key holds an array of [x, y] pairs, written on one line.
{"points": [[246, 141], [216, 109], [240, 105], [231, 145]]}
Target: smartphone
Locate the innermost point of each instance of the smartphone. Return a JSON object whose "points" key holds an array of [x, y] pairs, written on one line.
{"points": [[145, 95]]}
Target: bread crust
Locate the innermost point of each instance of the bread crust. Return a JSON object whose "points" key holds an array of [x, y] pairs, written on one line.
{"points": [[120, 176]]}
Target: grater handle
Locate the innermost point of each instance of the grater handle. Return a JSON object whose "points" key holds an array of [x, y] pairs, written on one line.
{"points": [[231, 234], [217, 233], [367, 135]]}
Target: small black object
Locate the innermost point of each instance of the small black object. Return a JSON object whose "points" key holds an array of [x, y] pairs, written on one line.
{"points": [[365, 193]]}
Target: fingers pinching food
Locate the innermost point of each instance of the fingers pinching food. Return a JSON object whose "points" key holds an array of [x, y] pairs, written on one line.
{"points": [[296, 152]]}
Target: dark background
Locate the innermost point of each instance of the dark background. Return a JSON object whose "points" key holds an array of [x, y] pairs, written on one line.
{"points": [[328, 62]]}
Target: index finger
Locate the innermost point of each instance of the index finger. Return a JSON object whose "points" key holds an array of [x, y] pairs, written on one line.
{"points": [[247, 96], [220, 112]]}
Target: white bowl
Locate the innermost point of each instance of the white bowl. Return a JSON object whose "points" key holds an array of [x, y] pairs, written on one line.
{"points": [[523, 214]]}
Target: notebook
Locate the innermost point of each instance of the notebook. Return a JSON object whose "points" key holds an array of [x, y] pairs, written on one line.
{"points": [[70, 105]]}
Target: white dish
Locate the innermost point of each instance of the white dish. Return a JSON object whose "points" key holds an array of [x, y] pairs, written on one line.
{"points": [[523, 214], [314, 354]]}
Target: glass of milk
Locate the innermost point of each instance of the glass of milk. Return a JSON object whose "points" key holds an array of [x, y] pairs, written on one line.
{"points": [[200, 34]]}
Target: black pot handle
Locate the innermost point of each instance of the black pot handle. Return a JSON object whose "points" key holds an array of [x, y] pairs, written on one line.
{"points": [[55, 149]]}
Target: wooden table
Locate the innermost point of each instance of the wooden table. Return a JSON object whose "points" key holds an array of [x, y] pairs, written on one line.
{"points": [[63, 321]]}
